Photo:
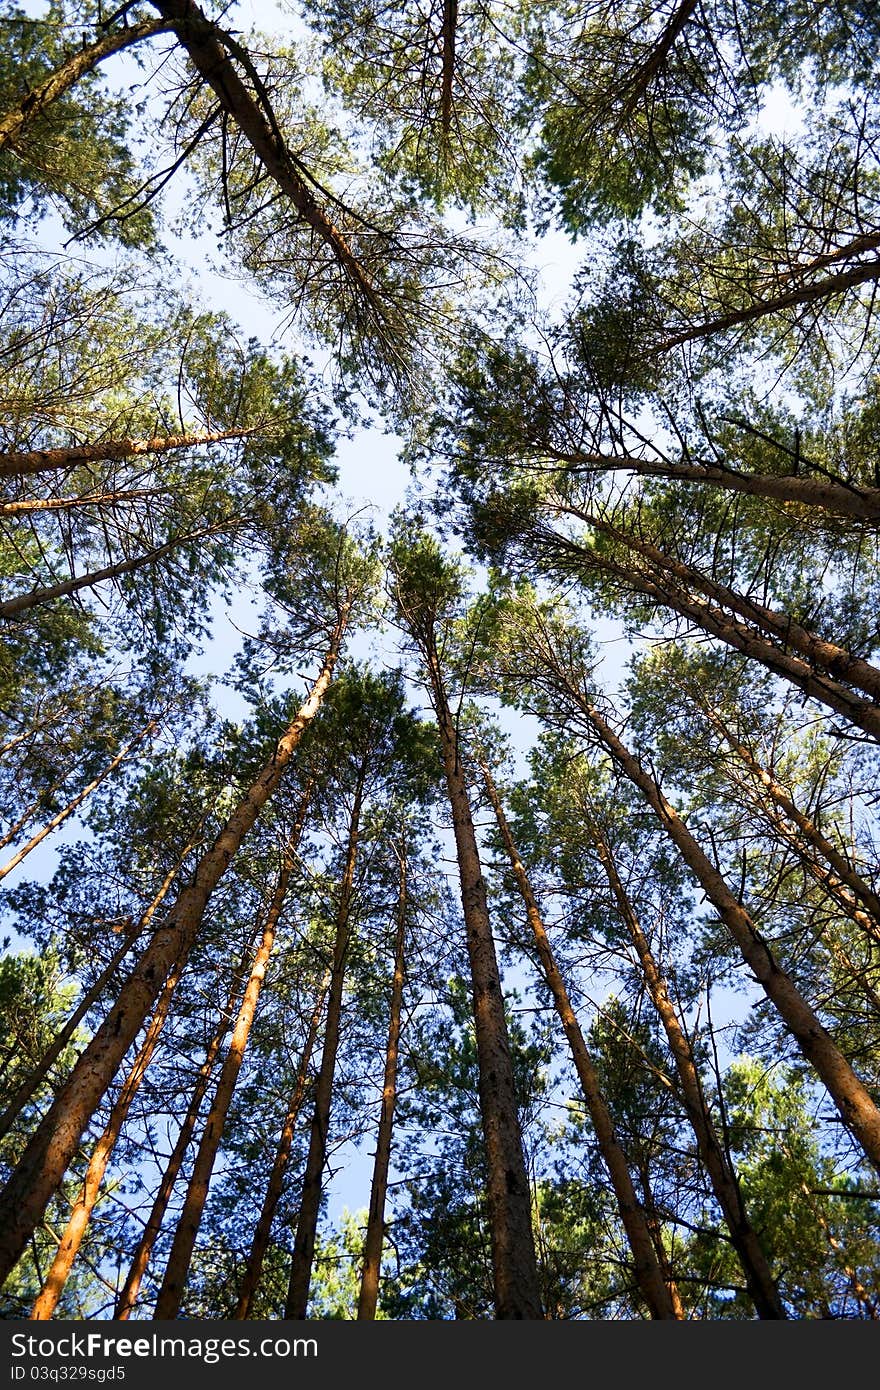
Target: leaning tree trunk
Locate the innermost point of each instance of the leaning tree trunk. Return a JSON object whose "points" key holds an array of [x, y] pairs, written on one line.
{"points": [[36, 597], [743, 1236], [78, 800], [310, 1196], [41, 1168], [369, 1290], [38, 1074], [128, 1294], [19, 465], [177, 1268], [83, 61], [71, 1240], [853, 1101], [514, 1263], [659, 1293], [254, 1266], [738, 635]]}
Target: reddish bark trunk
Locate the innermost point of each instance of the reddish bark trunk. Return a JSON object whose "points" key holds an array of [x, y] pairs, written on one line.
{"points": [[41, 1168]]}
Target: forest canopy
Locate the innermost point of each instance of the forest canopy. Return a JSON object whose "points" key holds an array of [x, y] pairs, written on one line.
{"points": [[513, 870]]}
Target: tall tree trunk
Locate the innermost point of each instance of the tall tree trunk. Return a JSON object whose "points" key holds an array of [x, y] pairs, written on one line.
{"points": [[68, 504], [19, 465], [853, 1101], [660, 1294], [127, 1298], [369, 1290], [71, 806], [836, 283], [83, 61], [209, 51], [177, 1268], [39, 1073], [843, 499], [41, 1168], [514, 1263], [756, 1269], [842, 868], [68, 1247], [821, 654], [742, 638], [448, 38], [254, 1267], [310, 1196], [64, 587]]}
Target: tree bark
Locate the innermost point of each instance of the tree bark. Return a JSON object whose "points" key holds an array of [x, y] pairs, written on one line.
{"points": [[68, 1247], [38, 1075], [19, 465], [515, 1269], [824, 689], [127, 1299], [12, 607], [41, 1168], [177, 1268], [254, 1267], [310, 1197], [756, 1268], [660, 1295], [68, 504], [850, 1096], [208, 51], [71, 806], [372, 1260], [65, 76], [843, 499]]}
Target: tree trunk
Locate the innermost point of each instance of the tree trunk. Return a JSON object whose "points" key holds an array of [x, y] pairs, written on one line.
{"points": [[844, 499], [845, 874], [448, 37], [23, 602], [38, 1075], [177, 1268], [756, 1269], [369, 1290], [209, 50], [68, 1247], [790, 299], [515, 1269], [41, 1169], [67, 504], [85, 60], [660, 1295], [863, 713], [19, 465], [128, 1295], [310, 1197], [779, 627], [254, 1267], [857, 1109], [71, 806]]}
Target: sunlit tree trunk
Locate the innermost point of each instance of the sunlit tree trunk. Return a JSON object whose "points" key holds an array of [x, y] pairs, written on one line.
{"points": [[77, 801], [310, 1196], [514, 1262], [756, 1269], [38, 1075], [68, 1247], [128, 1294], [372, 1260], [68, 73], [177, 1268], [19, 465], [659, 1293], [254, 1267], [41, 1168]]}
